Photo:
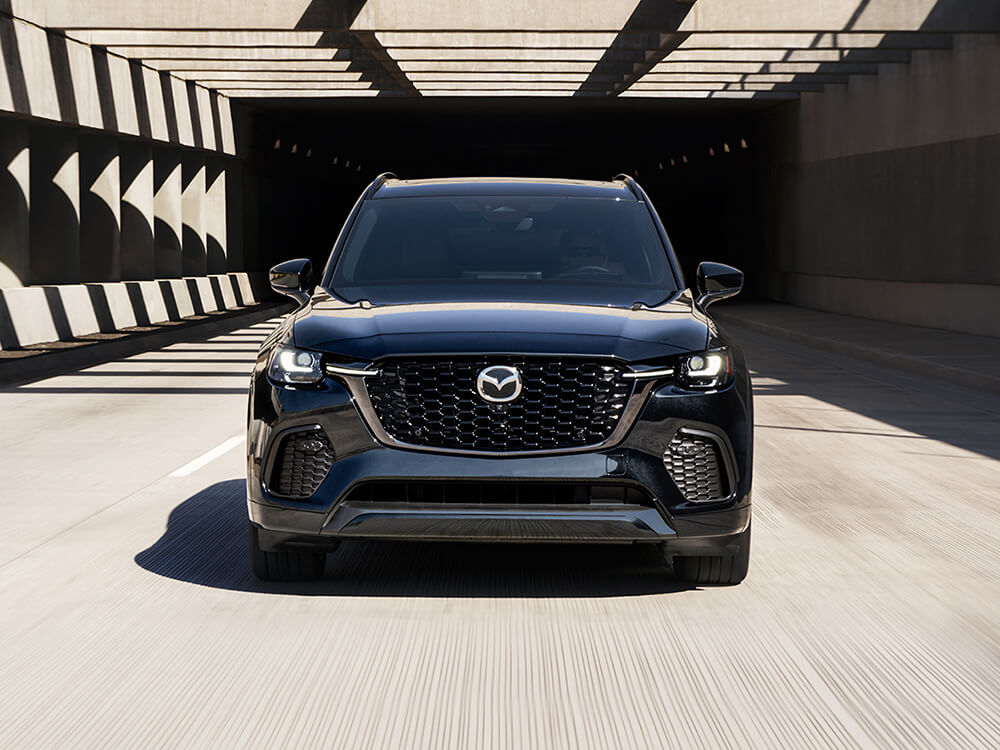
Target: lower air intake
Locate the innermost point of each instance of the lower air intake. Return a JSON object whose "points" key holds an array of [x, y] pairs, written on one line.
{"points": [[695, 465], [301, 464]]}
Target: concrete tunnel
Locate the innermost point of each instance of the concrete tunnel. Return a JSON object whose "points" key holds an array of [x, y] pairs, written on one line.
{"points": [[157, 159]]}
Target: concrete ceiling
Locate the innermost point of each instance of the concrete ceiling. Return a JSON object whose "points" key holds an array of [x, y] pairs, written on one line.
{"points": [[645, 48]]}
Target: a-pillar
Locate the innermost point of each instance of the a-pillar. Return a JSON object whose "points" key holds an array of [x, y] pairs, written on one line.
{"points": [[167, 213], [100, 209], [216, 235], [193, 201], [137, 212], [55, 206], [15, 194]]}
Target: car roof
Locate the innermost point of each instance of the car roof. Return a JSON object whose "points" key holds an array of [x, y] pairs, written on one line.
{"points": [[521, 186]]}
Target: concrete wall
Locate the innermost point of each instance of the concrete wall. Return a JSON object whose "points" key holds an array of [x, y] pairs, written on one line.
{"points": [[48, 76], [60, 312], [887, 192]]}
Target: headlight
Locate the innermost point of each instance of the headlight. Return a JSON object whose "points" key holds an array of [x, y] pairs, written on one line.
{"points": [[291, 366], [706, 370]]}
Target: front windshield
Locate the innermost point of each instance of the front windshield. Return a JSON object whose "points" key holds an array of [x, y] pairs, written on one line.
{"points": [[574, 250]]}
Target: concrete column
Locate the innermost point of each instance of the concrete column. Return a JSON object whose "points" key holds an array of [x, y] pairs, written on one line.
{"points": [[55, 206], [15, 181], [194, 238], [100, 209], [167, 212], [216, 237], [137, 212]]}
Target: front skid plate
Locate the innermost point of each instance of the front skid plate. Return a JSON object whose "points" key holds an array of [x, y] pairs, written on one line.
{"points": [[626, 524]]}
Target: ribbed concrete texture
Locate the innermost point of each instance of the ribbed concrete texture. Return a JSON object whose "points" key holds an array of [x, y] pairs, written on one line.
{"points": [[130, 618]]}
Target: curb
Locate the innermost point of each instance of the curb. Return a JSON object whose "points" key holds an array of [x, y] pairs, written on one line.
{"points": [[953, 375], [14, 372]]}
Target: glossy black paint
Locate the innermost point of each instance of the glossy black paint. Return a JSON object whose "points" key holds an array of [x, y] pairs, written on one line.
{"points": [[362, 334], [293, 278], [330, 325], [717, 281]]}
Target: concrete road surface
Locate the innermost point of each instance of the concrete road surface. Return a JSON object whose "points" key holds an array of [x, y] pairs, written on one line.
{"points": [[129, 618]]}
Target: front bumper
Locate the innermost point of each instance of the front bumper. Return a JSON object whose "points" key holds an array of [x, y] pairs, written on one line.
{"points": [[636, 461]]}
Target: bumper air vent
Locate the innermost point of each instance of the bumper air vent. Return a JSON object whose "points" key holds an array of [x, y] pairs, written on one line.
{"points": [[695, 464], [301, 463]]}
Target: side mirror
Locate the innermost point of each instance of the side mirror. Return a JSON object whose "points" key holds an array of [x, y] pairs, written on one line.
{"points": [[293, 278], [717, 281]]}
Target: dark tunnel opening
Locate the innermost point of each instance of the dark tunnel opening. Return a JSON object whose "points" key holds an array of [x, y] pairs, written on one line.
{"points": [[704, 165]]}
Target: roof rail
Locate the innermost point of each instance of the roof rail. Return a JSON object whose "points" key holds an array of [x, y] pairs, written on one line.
{"points": [[379, 182], [632, 185]]}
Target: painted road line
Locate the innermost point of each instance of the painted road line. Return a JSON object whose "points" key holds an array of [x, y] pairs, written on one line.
{"points": [[192, 466]]}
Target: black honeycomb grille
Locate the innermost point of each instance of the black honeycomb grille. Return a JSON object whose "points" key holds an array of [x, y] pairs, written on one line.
{"points": [[563, 404], [301, 464], [696, 467]]}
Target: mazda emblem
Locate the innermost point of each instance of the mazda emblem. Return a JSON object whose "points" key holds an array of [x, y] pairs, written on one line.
{"points": [[499, 384]]}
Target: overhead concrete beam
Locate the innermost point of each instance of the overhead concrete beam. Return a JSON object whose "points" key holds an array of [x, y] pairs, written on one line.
{"points": [[699, 94], [815, 40], [305, 14], [293, 85], [374, 15], [185, 67], [761, 67], [298, 93], [811, 78], [49, 76], [549, 93], [157, 56], [512, 66], [123, 35], [832, 15], [491, 86], [579, 54], [866, 55], [218, 78]]}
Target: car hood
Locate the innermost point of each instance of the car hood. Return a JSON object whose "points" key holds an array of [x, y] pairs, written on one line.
{"points": [[451, 328]]}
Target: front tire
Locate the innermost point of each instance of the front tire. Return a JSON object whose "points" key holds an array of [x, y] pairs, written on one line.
{"points": [[716, 570], [283, 564]]}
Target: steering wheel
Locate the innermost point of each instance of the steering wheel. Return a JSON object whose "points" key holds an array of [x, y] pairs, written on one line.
{"points": [[589, 269]]}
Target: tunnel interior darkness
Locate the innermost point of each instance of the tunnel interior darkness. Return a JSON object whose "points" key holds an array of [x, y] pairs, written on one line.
{"points": [[703, 164]]}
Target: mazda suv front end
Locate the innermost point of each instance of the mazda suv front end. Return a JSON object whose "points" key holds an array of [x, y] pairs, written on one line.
{"points": [[501, 360]]}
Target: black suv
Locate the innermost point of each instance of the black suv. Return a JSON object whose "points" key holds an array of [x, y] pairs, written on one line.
{"points": [[501, 360]]}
